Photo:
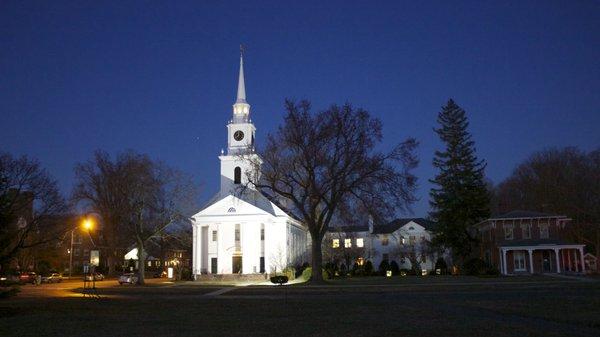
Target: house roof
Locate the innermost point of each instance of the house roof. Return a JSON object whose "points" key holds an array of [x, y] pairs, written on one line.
{"points": [[533, 242], [387, 228], [519, 214], [396, 224]]}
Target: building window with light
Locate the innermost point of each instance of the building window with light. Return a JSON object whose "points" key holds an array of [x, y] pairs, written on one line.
{"points": [[544, 232], [508, 232], [360, 243], [335, 243], [347, 243]]}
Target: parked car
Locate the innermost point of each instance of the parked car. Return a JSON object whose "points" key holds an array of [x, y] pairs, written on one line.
{"points": [[130, 278], [96, 277], [52, 278], [159, 274], [27, 277]]}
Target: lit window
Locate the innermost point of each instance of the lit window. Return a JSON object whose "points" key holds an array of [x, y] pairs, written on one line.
{"points": [[519, 258], [360, 261], [149, 264], [360, 243], [526, 228], [385, 240], [508, 232], [335, 243], [544, 233], [347, 243], [214, 235], [403, 240]]}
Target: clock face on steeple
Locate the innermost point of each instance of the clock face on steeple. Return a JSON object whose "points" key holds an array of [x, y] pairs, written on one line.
{"points": [[238, 135]]}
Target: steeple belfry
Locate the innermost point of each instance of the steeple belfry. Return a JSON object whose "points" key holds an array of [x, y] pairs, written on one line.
{"points": [[241, 109]]}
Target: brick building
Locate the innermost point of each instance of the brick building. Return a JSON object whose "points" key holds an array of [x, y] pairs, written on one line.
{"points": [[524, 242]]}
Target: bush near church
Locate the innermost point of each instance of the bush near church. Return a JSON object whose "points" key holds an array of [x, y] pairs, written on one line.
{"points": [[384, 266]]}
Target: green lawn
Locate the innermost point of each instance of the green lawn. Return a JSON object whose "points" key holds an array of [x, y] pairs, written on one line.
{"points": [[412, 306]]}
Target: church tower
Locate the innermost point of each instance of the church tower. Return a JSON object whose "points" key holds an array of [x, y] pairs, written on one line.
{"points": [[236, 163]]}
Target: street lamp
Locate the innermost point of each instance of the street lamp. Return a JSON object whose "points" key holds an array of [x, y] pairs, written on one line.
{"points": [[88, 225]]}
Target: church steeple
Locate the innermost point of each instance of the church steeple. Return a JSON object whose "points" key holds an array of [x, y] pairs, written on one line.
{"points": [[241, 109]]}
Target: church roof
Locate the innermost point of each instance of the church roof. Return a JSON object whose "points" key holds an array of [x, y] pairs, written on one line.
{"points": [[249, 197]]}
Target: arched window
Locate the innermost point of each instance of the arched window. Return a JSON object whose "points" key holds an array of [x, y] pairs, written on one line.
{"points": [[237, 175]]}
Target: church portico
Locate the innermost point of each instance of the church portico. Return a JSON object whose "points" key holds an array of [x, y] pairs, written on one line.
{"points": [[240, 231]]}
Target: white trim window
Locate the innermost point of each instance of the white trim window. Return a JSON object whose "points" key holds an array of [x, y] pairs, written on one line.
{"points": [[360, 243], [335, 243], [508, 232], [544, 232], [519, 258], [526, 230], [347, 243]]}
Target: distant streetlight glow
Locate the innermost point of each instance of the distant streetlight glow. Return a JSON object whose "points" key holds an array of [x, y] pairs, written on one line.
{"points": [[88, 224]]}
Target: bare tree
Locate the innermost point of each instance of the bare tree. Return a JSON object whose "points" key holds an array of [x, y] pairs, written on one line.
{"points": [[140, 197], [564, 181], [30, 204], [317, 165]]}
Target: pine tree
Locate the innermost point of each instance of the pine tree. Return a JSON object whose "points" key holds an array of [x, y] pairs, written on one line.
{"points": [[459, 198]]}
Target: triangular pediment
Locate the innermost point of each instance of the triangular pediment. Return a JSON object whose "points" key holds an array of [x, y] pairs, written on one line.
{"points": [[248, 203]]}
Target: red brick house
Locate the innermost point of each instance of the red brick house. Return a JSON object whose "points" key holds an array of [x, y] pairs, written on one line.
{"points": [[524, 242]]}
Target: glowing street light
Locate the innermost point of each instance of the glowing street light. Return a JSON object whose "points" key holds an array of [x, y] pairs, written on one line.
{"points": [[87, 224]]}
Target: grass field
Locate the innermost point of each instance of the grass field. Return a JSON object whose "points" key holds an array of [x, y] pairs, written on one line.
{"points": [[411, 306]]}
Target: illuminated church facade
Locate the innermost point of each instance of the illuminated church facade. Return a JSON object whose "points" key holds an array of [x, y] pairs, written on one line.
{"points": [[240, 231]]}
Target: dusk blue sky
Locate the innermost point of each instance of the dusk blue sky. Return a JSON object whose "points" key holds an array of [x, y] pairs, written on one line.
{"points": [[161, 78]]}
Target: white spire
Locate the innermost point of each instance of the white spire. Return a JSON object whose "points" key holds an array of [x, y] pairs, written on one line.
{"points": [[241, 108], [241, 93]]}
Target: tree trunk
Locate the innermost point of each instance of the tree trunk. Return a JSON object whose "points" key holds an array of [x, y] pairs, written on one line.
{"points": [[141, 262], [317, 261]]}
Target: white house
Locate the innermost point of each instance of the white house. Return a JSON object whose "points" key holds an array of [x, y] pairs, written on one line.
{"points": [[240, 231], [400, 240]]}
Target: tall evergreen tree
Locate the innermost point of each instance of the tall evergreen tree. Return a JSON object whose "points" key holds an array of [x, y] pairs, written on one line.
{"points": [[459, 198]]}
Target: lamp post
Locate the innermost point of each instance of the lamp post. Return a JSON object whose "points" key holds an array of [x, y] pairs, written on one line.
{"points": [[87, 224]]}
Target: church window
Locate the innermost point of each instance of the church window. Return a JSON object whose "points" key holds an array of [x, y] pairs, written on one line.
{"points": [[231, 210], [262, 234], [214, 235], [335, 243], [237, 175], [237, 232]]}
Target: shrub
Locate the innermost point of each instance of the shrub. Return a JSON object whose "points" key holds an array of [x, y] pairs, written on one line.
{"points": [[441, 265], [343, 270], [474, 266], [368, 269], [307, 274], [330, 268], [279, 279], [383, 267], [290, 272], [395, 268]]}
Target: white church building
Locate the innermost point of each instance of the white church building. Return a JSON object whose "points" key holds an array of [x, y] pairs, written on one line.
{"points": [[239, 231]]}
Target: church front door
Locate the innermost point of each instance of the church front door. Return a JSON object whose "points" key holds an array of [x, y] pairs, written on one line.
{"points": [[236, 265]]}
